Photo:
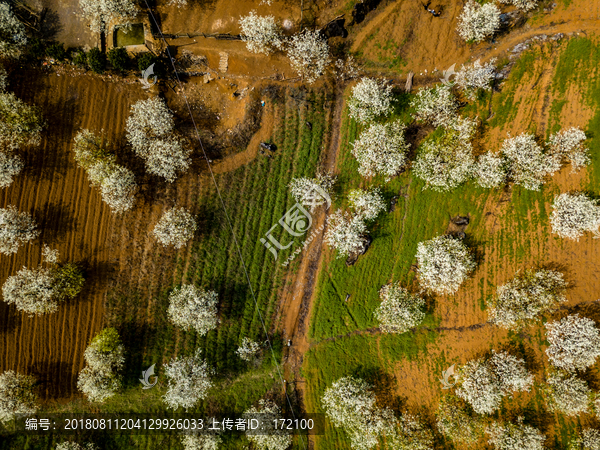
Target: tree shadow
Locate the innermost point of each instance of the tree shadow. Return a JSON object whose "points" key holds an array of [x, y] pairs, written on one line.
{"points": [[50, 24], [10, 318], [55, 221], [135, 335], [383, 385], [55, 379], [96, 273]]}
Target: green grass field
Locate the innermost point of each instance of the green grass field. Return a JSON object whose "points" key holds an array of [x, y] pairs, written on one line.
{"points": [[341, 342]]}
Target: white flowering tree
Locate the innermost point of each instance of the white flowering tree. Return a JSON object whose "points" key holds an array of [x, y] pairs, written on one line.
{"points": [[444, 162], [381, 149], [260, 33], [70, 445], [201, 442], [567, 146], [178, 3], [269, 437], [117, 183], [313, 192], [472, 77], [20, 123], [526, 297], [13, 37], [525, 5], [515, 436], [436, 106], [100, 12], [367, 204], [248, 349], [457, 423], [40, 291], [16, 228], [574, 343], [346, 69], [399, 310], [528, 165], [589, 439], [188, 381], [370, 99], [192, 307], [444, 263], [17, 395], [350, 403], [151, 132], [574, 214], [568, 394], [10, 166], [175, 227], [345, 233], [409, 434], [100, 379], [478, 22], [309, 54], [490, 171], [484, 382]]}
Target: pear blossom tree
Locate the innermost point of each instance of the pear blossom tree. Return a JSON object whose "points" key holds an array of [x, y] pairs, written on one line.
{"points": [[528, 164], [346, 69], [525, 5], [16, 228], [436, 106], [409, 434], [574, 214], [175, 227], [345, 233], [17, 395], [100, 12], [478, 22], [457, 423], [472, 77], [117, 183], [515, 436], [444, 162], [568, 394], [40, 291], [248, 350], [567, 146], [589, 439], [370, 99], [201, 442], [367, 204], [574, 343], [526, 297], [484, 382], [309, 54], [70, 445], [490, 171], [313, 192], [104, 358], [20, 123], [350, 403], [381, 149], [188, 381], [260, 33], [151, 132], [10, 166], [399, 310], [178, 3], [444, 263], [192, 307], [269, 438], [13, 37]]}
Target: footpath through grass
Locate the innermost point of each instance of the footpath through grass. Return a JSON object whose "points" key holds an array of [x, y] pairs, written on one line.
{"points": [[256, 197]]}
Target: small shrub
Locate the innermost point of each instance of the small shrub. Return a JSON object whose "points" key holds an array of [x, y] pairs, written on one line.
{"points": [[96, 60], [57, 51], [119, 59]]}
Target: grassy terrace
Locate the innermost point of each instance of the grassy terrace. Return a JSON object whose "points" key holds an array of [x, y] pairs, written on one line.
{"points": [[343, 338], [256, 197]]}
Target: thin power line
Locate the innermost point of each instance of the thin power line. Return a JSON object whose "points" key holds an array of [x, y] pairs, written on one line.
{"points": [[237, 246]]}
